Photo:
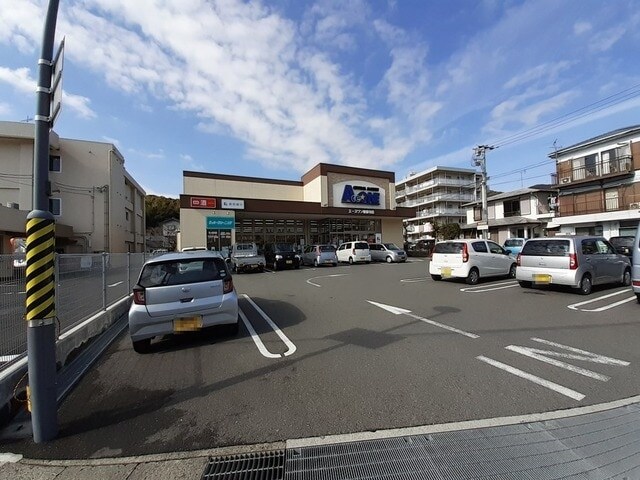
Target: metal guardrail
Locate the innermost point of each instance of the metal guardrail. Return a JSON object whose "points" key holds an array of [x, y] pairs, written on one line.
{"points": [[85, 285]]}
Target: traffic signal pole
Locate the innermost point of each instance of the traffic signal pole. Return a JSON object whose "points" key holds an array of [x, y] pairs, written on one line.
{"points": [[40, 295]]}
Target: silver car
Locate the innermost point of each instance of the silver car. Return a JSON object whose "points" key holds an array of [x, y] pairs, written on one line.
{"points": [[579, 262], [181, 292], [317, 255], [387, 252]]}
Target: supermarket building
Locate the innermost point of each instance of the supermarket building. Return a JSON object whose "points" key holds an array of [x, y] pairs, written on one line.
{"points": [[331, 204]]}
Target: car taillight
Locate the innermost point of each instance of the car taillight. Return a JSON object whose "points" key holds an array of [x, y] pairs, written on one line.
{"points": [[138, 296], [573, 261], [518, 261], [227, 286], [465, 253]]}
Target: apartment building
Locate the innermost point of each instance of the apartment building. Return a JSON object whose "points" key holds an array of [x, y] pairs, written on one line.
{"points": [[90, 192], [598, 184], [438, 194], [523, 213]]}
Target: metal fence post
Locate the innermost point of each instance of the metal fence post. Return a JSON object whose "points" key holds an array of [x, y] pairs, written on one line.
{"points": [[56, 279], [104, 280], [128, 272]]}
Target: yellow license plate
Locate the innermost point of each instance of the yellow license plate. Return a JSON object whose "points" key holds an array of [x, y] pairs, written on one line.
{"points": [[541, 278], [445, 271], [289, 261], [187, 324]]}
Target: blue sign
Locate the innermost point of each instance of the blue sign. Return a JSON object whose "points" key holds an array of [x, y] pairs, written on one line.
{"points": [[361, 195], [221, 223]]}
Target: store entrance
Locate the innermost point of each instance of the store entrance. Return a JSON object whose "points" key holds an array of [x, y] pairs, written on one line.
{"points": [[219, 240]]}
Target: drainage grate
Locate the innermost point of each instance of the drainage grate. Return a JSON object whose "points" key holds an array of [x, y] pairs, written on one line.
{"points": [[248, 466]]}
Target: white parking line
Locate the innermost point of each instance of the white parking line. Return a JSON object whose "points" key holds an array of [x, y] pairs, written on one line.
{"points": [[582, 354], [256, 339], [415, 260], [291, 348], [533, 378], [414, 280], [489, 288], [325, 276], [115, 284], [612, 305], [574, 306]]}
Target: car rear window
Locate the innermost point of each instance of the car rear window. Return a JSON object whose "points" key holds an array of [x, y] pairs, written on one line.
{"points": [[178, 272], [546, 248], [621, 241], [449, 247], [244, 246], [513, 243], [327, 248], [284, 247], [361, 246]]}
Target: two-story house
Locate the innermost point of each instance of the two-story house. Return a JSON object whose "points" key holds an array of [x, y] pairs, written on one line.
{"points": [[90, 191], [522, 213], [438, 195], [598, 183]]}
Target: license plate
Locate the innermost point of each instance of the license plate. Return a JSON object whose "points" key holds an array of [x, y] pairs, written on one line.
{"points": [[187, 324], [289, 261], [541, 278], [445, 271]]}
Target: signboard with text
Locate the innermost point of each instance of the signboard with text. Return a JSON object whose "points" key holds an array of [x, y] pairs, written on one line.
{"points": [[221, 223], [230, 204], [358, 194], [202, 202]]}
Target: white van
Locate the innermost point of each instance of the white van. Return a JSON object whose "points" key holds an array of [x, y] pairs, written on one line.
{"points": [[635, 265], [354, 252]]}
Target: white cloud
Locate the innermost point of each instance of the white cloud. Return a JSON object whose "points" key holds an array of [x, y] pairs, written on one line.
{"points": [[330, 22], [21, 23], [79, 104], [548, 72], [5, 109], [606, 39], [581, 27]]}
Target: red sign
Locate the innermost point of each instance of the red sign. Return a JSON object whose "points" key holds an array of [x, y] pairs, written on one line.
{"points": [[199, 202]]}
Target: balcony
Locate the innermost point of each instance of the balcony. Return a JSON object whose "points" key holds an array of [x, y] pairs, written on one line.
{"points": [[446, 197], [436, 182], [437, 212], [592, 203], [595, 170]]}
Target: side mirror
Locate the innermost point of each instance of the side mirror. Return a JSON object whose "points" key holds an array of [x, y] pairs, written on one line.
{"points": [[507, 252]]}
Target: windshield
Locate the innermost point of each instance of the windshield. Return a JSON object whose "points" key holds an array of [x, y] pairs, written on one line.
{"points": [[449, 247], [178, 272], [284, 247], [391, 246], [513, 243], [244, 246], [546, 248], [327, 248]]}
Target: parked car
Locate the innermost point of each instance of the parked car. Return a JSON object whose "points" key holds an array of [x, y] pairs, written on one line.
{"points": [[387, 252], [354, 252], [470, 259], [317, 255], [281, 255], [635, 269], [577, 261], [514, 245], [623, 244], [246, 257], [180, 292]]}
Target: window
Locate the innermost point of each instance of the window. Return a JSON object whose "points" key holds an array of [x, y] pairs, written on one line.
{"points": [[590, 163], [511, 208], [495, 248], [611, 199], [546, 248], [479, 247], [55, 163], [589, 247], [449, 247], [604, 247], [55, 206]]}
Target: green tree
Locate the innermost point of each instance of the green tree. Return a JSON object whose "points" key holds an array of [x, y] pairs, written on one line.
{"points": [[158, 209], [445, 231]]}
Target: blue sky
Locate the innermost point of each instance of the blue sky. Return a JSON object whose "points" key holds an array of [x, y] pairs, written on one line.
{"points": [[271, 88]]}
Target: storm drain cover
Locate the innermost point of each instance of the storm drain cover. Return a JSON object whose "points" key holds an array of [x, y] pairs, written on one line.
{"points": [[248, 466]]}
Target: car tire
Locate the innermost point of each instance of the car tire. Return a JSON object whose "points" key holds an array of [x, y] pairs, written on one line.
{"points": [[626, 278], [315, 263], [638, 297], [436, 278], [473, 277], [335, 264], [585, 285], [512, 271], [350, 260], [389, 260], [525, 284], [142, 346]]}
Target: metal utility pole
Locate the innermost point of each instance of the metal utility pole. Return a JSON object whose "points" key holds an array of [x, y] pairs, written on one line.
{"points": [[480, 160], [40, 295]]}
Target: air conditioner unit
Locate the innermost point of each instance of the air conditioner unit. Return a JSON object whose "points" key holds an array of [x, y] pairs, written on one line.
{"points": [[634, 205], [565, 180]]}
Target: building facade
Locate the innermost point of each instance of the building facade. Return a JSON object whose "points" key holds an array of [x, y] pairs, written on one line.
{"points": [[598, 185], [438, 195], [330, 205], [90, 191]]}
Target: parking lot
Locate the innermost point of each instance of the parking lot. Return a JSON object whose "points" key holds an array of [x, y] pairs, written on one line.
{"points": [[326, 351]]}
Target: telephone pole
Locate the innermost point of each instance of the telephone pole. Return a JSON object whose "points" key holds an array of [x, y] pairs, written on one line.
{"points": [[480, 160]]}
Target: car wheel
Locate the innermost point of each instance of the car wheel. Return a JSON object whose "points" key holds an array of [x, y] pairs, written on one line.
{"points": [[626, 278], [315, 263], [389, 260], [585, 285], [525, 284], [335, 264], [512, 271], [437, 278], [473, 277], [350, 261], [142, 346]]}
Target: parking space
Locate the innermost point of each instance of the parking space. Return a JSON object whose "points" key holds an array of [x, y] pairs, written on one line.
{"points": [[382, 344]]}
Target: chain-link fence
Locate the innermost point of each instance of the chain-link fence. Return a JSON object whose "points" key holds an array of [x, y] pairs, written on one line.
{"points": [[85, 285]]}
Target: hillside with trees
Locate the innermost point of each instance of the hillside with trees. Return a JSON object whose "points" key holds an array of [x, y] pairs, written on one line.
{"points": [[159, 209]]}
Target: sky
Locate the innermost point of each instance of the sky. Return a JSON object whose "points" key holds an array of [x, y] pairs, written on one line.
{"points": [[271, 88]]}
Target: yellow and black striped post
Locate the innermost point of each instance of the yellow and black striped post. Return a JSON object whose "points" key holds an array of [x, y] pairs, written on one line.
{"points": [[40, 274]]}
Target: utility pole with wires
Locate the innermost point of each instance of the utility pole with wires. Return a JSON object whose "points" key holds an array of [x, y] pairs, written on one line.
{"points": [[480, 160]]}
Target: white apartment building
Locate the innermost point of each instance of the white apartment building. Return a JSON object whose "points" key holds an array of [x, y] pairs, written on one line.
{"points": [[438, 194], [92, 196]]}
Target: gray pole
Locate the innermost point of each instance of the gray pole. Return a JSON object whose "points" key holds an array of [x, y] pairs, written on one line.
{"points": [[485, 208], [40, 295]]}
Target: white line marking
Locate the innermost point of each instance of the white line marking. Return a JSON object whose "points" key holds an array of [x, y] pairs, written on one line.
{"points": [[607, 307], [325, 276], [256, 339], [590, 357], [10, 458], [510, 282], [115, 284], [532, 378], [414, 280], [8, 358], [414, 260], [291, 348], [567, 366], [574, 306], [402, 311], [488, 288]]}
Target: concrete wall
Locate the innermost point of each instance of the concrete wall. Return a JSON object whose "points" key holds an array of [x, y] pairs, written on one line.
{"points": [[392, 231], [316, 190], [239, 189]]}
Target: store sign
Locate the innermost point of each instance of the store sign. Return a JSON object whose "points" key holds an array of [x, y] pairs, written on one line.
{"points": [[221, 223], [361, 211], [228, 204], [358, 193], [200, 202]]}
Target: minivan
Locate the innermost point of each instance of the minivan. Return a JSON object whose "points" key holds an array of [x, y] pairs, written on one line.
{"points": [[387, 252], [354, 252], [577, 261]]}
